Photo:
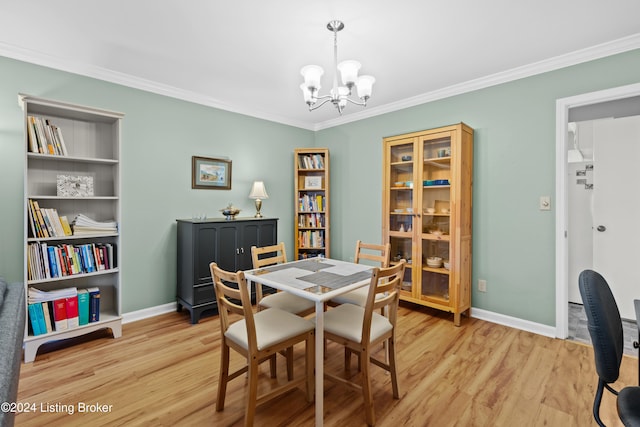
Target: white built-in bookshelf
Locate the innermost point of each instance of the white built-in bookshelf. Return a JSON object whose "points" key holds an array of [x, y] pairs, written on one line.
{"points": [[72, 172]]}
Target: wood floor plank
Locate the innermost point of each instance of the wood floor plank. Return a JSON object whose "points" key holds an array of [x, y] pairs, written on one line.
{"points": [[163, 372]]}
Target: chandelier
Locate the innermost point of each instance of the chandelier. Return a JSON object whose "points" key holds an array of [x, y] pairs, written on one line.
{"points": [[338, 95]]}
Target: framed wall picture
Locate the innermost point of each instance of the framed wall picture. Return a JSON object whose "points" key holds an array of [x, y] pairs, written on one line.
{"points": [[211, 174], [313, 183]]}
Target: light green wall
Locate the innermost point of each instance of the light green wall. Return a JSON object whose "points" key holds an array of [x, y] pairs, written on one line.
{"points": [[514, 164], [159, 136], [514, 155]]}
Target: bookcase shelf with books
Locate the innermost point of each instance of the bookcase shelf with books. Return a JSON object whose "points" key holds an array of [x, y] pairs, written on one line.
{"points": [[71, 219], [311, 170]]}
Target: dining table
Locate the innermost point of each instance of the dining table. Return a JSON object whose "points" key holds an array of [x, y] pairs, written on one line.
{"points": [[319, 280]]}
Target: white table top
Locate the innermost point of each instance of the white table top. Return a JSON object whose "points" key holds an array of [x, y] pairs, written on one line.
{"points": [[316, 279]]}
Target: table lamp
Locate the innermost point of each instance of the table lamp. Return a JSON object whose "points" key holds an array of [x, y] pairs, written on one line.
{"points": [[258, 192]]}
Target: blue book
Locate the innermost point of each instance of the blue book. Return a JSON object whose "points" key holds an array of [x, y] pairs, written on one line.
{"points": [[83, 306], [88, 254], [40, 316], [94, 304], [33, 317], [53, 262]]}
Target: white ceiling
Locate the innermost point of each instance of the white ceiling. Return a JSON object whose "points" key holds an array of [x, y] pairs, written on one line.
{"points": [[245, 55]]}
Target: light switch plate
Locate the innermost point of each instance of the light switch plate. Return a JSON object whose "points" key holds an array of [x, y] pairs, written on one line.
{"points": [[545, 203]]}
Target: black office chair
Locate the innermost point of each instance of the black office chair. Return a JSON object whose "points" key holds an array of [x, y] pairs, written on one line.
{"points": [[605, 328]]}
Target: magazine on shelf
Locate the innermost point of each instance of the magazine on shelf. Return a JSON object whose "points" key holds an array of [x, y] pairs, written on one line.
{"points": [[36, 295]]}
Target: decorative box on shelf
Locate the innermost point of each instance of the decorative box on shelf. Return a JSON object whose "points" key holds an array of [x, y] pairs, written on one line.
{"points": [[75, 186]]}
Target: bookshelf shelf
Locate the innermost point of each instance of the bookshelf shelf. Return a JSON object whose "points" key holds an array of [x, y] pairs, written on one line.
{"points": [[108, 320], [74, 276], [67, 143], [49, 157], [312, 202]]}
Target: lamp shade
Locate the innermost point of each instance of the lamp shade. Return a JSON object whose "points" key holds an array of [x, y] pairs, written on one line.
{"points": [[365, 86], [349, 71], [308, 96], [312, 74], [258, 191]]}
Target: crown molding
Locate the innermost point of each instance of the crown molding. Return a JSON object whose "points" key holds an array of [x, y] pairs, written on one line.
{"points": [[74, 67], [577, 57], [588, 54]]}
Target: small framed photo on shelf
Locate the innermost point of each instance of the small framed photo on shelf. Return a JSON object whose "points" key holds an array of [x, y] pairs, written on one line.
{"points": [[313, 183], [211, 174]]}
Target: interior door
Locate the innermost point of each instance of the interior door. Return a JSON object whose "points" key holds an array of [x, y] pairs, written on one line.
{"points": [[616, 208]]}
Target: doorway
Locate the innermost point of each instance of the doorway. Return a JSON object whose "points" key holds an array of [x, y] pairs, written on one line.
{"points": [[586, 110]]}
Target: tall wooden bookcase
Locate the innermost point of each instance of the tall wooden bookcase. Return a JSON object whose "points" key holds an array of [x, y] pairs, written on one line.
{"points": [[426, 215], [92, 140], [312, 202]]}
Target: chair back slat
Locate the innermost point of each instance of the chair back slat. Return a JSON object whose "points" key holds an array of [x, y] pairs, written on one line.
{"points": [[265, 256], [377, 253], [275, 254], [233, 299], [386, 282]]}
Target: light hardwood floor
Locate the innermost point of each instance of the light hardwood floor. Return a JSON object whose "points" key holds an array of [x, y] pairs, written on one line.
{"points": [[163, 372]]}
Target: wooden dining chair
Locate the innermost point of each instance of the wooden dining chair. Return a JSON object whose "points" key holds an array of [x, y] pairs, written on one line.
{"points": [[258, 337], [271, 255], [375, 253], [359, 328]]}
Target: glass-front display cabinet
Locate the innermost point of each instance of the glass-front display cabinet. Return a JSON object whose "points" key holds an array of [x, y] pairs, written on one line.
{"points": [[427, 214]]}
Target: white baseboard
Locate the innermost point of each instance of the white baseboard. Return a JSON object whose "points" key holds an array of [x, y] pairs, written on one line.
{"points": [[478, 313], [145, 313], [514, 322]]}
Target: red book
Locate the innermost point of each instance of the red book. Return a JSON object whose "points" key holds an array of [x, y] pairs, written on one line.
{"points": [[72, 312], [60, 314]]}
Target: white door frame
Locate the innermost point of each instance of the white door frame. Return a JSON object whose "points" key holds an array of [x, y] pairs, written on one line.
{"points": [[562, 249]]}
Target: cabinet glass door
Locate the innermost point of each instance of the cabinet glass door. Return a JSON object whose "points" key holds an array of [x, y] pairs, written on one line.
{"points": [[436, 218], [402, 205]]}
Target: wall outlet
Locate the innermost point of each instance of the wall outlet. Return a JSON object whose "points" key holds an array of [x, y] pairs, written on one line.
{"points": [[482, 285], [545, 203]]}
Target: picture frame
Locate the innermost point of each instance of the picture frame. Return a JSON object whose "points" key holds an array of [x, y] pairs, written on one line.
{"points": [[313, 183], [210, 173]]}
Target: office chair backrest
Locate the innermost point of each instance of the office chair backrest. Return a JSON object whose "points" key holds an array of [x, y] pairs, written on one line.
{"points": [[604, 323]]}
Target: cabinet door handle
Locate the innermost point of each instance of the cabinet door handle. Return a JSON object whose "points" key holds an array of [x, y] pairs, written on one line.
{"points": [[242, 250], [237, 251]]}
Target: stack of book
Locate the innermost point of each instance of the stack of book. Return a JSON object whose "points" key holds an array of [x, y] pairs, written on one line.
{"points": [[46, 261], [45, 137], [82, 224], [62, 309], [311, 239], [311, 203], [311, 220], [311, 161], [45, 222]]}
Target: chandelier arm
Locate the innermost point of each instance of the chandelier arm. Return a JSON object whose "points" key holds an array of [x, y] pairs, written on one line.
{"points": [[326, 98], [361, 103]]}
